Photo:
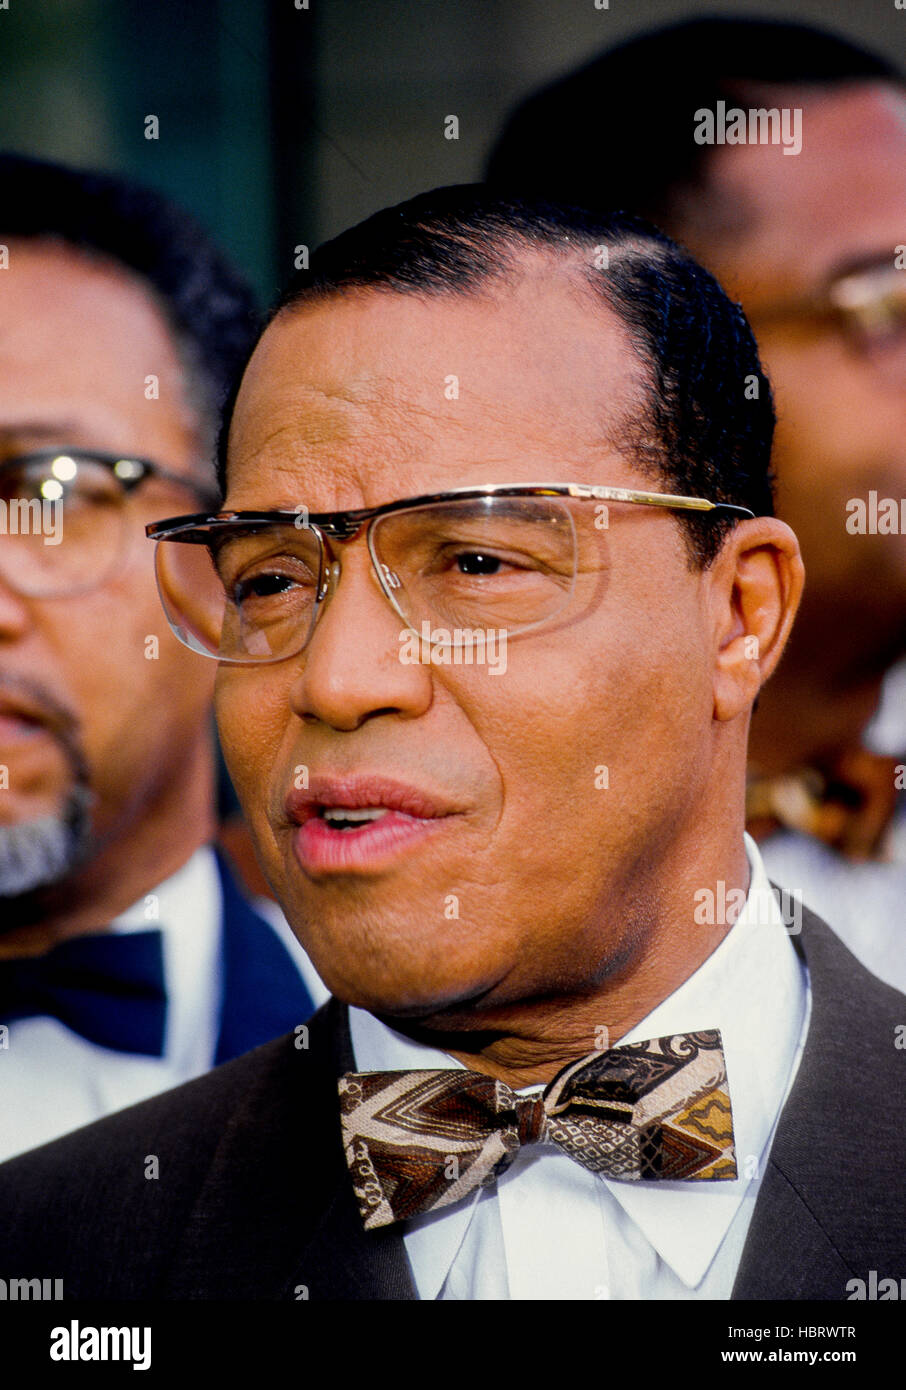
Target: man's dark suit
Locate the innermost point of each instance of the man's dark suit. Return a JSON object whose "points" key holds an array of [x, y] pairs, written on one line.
{"points": [[253, 1200]]}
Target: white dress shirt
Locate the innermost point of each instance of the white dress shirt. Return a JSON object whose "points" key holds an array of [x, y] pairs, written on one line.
{"points": [[53, 1080], [550, 1229]]}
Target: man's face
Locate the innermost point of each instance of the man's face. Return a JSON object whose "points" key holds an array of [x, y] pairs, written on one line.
{"points": [[841, 416], [88, 711], [529, 878]]}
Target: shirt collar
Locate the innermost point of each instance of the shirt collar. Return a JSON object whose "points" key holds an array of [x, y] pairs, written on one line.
{"points": [[754, 975], [177, 900], [754, 988]]}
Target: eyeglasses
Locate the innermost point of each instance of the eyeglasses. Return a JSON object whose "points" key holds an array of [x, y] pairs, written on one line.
{"points": [[247, 587], [64, 519], [868, 306]]}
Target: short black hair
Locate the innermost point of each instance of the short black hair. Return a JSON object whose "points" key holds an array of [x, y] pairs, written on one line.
{"points": [[706, 423], [209, 307], [618, 132]]}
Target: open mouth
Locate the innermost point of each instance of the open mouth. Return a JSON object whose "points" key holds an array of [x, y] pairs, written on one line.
{"points": [[360, 823], [346, 818], [359, 838]]}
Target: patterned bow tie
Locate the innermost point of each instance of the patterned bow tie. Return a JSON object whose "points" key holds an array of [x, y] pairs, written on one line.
{"points": [[108, 987], [416, 1141]]}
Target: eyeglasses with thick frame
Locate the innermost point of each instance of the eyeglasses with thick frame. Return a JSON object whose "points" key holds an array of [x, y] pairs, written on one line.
{"points": [[347, 526], [96, 552]]}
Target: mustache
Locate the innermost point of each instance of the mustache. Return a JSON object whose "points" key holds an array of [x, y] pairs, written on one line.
{"points": [[58, 719]]}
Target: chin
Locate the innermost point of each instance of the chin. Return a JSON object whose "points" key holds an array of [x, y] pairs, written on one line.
{"points": [[36, 854], [408, 991]]}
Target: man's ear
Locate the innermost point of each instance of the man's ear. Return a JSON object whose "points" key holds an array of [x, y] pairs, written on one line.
{"points": [[757, 583]]}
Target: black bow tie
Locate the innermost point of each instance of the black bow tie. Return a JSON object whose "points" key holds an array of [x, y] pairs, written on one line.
{"points": [[108, 987]]}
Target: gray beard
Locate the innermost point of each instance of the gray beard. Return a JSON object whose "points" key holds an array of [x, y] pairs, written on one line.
{"points": [[40, 853]]}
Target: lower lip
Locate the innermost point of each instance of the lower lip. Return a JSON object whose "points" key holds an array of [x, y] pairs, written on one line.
{"points": [[16, 730], [319, 849]]}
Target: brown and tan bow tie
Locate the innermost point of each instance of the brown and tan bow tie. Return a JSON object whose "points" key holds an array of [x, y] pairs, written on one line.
{"points": [[419, 1140]]}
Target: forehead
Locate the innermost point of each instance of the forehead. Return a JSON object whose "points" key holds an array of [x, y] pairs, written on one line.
{"points": [[371, 396], [842, 198], [78, 336]]}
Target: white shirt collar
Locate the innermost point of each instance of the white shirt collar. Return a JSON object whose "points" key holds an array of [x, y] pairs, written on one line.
{"points": [[754, 989]]}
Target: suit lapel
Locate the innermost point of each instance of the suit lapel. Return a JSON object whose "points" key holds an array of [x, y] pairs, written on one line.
{"points": [[342, 1259], [276, 1218], [787, 1255], [263, 992], [829, 1207]]}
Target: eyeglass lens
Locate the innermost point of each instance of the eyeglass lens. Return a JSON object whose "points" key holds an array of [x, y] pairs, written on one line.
{"points": [[62, 524], [873, 305], [248, 593]]}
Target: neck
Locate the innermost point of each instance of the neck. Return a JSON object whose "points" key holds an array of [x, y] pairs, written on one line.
{"points": [[530, 1041], [141, 852]]}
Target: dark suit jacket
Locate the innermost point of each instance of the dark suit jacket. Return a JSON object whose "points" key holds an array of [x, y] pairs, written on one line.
{"points": [[253, 1200]]}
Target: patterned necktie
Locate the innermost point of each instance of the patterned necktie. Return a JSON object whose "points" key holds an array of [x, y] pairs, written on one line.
{"points": [[108, 987], [416, 1141]]}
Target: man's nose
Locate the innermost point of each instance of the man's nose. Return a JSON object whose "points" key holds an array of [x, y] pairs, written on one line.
{"points": [[352, 667]]}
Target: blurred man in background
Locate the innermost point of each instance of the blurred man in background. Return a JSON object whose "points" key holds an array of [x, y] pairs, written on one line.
{"points": [[129, 961], [806, 231]]}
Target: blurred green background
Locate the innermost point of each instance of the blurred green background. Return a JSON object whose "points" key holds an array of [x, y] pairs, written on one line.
{"points": [[280, 124]]}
